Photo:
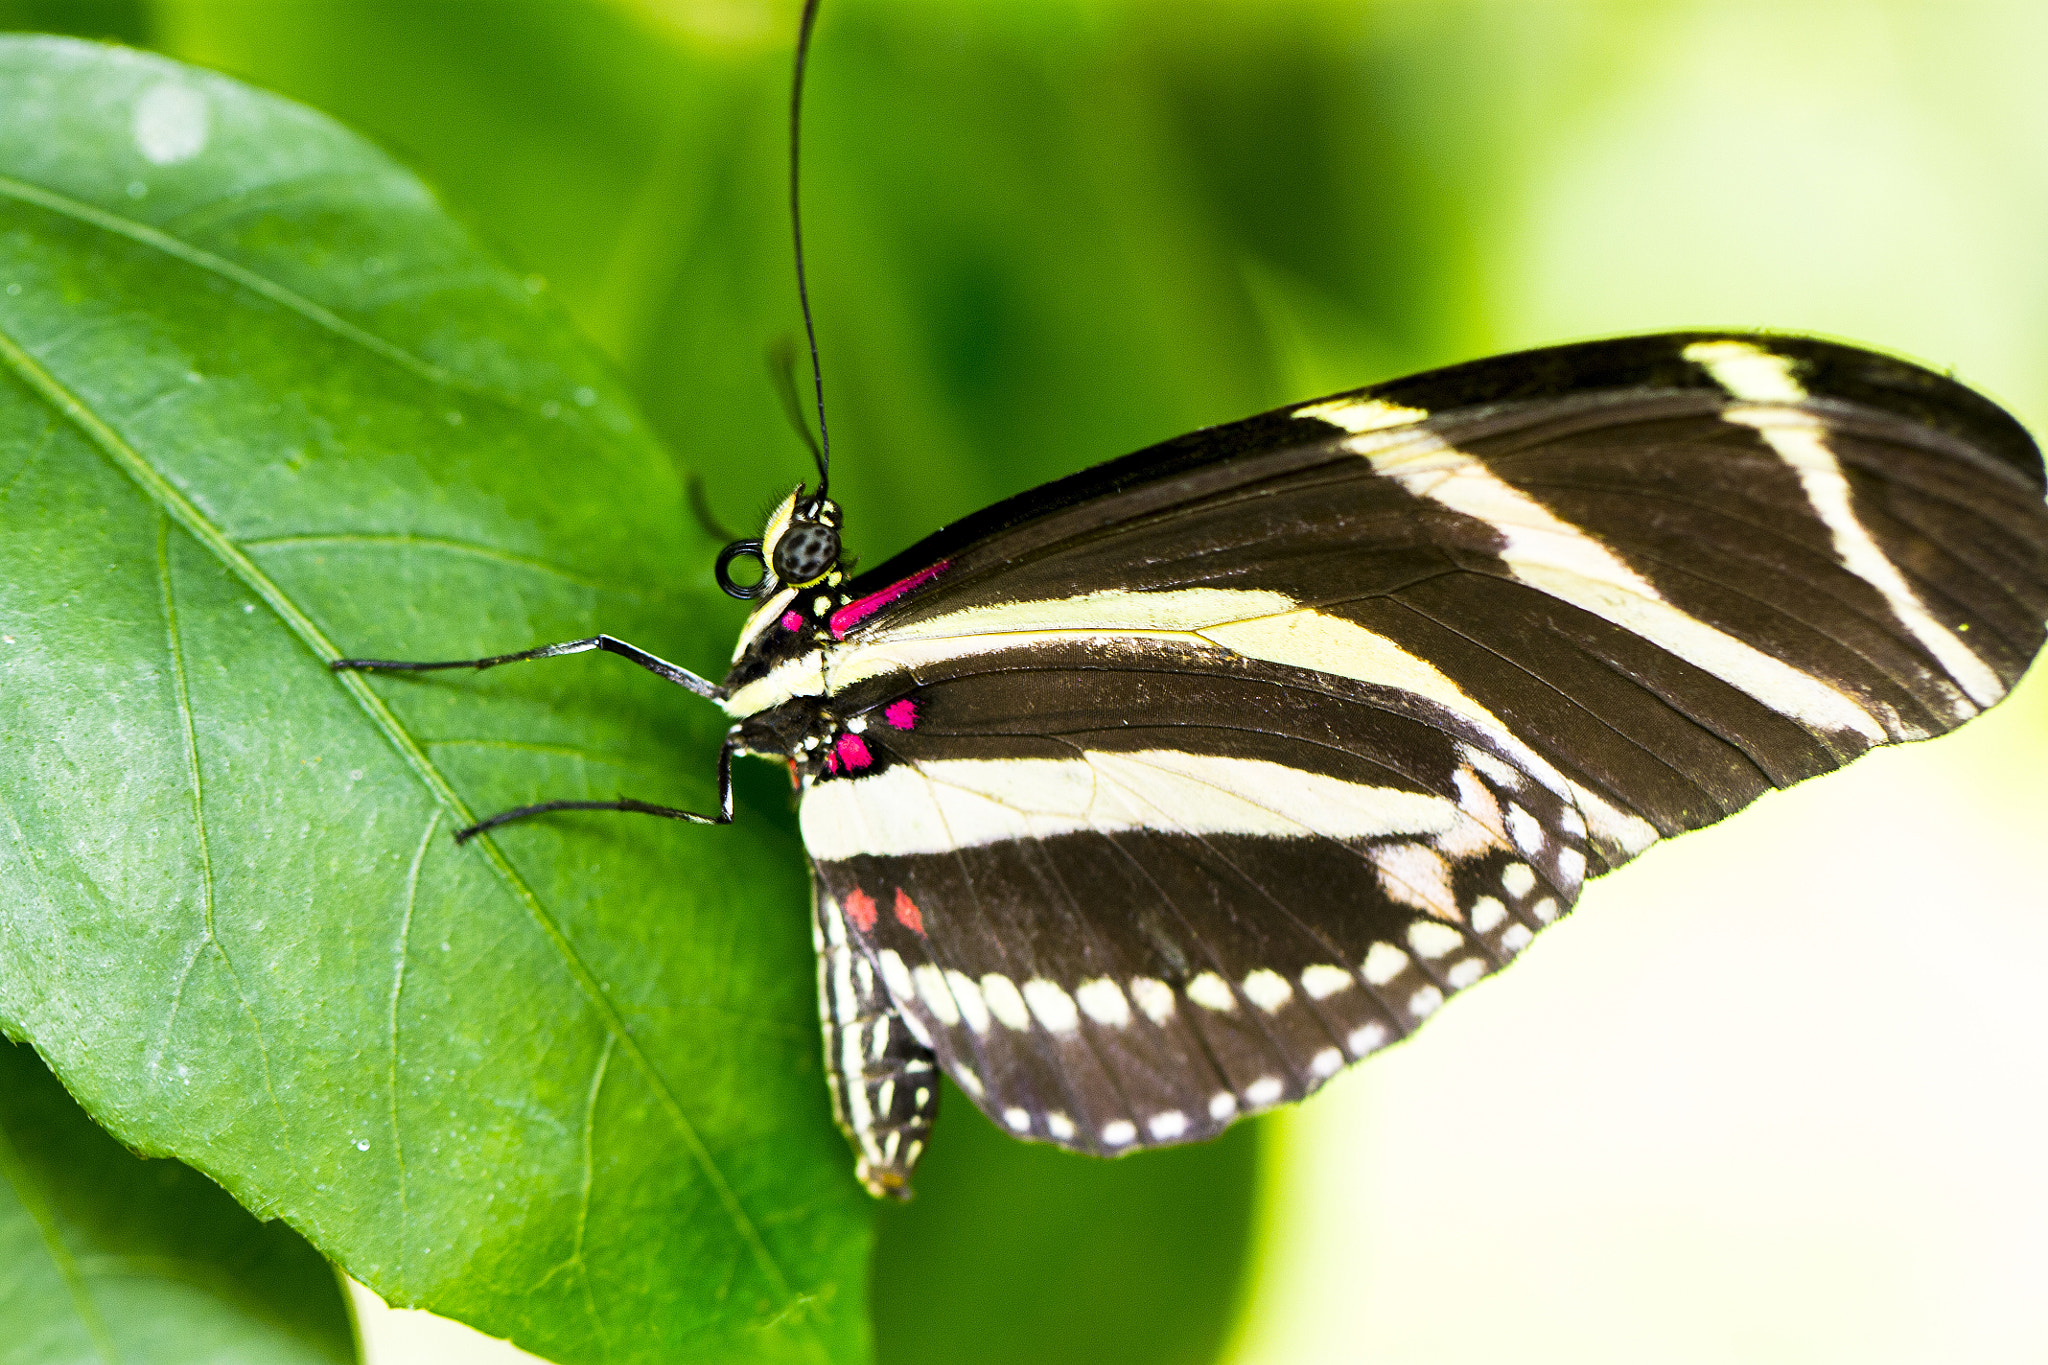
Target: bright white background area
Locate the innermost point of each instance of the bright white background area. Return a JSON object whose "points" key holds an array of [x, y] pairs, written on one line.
{"points": [[393, 1336], [1779, 1091]]}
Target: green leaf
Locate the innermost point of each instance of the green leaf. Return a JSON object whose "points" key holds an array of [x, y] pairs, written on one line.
{"points": [[106, 1258], [261, 404]]}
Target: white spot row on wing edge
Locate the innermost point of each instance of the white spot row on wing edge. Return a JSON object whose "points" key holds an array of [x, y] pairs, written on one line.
{"points": [[947, 994]]}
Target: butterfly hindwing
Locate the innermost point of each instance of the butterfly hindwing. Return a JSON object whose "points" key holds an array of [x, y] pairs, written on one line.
{"points": [[1116, 935]]}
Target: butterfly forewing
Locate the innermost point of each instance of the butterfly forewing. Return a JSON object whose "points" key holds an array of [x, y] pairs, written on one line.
{"points": [[1677, 596]]}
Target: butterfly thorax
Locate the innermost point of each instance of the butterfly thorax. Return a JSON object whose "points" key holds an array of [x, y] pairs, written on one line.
{"points": [[789, 634]]}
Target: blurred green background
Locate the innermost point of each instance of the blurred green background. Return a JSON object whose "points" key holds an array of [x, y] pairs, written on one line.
{"points": [[1777, 1092]]}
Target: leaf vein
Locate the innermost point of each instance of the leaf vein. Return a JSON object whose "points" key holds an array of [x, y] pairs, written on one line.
{"points": [[180, 685], [399, 958], [157, 239], [604, 1059]]}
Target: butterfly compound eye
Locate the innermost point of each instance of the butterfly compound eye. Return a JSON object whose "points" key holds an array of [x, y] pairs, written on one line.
{"points": [[805, 553], [722, 571]]}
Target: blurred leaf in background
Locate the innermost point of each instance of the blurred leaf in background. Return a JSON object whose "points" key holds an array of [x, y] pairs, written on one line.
{"points": [[107, 1257], [1014, 1251], [107, 21]]}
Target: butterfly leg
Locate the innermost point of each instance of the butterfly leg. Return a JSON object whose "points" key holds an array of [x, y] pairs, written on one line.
{"points": [[724, 816], [681, 677]]}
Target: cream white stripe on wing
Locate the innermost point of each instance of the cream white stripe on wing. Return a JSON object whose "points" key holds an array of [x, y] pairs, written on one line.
{"points": [[1113, 614], [1113, 609], [874, 659], [943, 804], [1756, 376], [1551, 555], [1254, 624], [1360, 415], [802, 676], [1323, 643], [1747, 372], [1301, 638], [1412, 873]]}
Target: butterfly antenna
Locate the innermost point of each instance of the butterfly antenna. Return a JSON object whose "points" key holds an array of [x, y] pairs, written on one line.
{"points": [[782, 369], [700, 507], [822, 451]]}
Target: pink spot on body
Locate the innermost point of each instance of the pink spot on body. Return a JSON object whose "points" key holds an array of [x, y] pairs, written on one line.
{"points": [[792, 621], [860, 609], [860, 909], [852, 752], [902, 713], [907, 913]]}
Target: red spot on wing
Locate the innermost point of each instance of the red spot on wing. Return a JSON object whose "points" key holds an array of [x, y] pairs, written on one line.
{"points": [[852, 752], [860, 609], [901, 714], [792, 621], [831, 763], [907, 913], [860, 909]]}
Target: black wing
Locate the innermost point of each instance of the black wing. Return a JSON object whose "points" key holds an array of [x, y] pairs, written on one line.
{"points": [[1503, 625]]}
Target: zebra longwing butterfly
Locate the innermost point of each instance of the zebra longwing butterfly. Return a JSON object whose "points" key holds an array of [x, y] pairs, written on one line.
{"points": [[1157, 796]]}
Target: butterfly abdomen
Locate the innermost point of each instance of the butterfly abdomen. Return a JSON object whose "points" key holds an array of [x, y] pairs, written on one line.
{"points": [[884, 1085]]}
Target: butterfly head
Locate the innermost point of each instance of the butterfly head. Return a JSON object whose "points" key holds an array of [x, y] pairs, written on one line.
{"points": [[798, 547]]}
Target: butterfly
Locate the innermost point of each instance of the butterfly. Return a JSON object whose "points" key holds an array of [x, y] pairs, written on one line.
{"points": [[1157, 796]]}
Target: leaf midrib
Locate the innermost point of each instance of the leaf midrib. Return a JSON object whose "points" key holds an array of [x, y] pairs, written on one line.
{"points": [[157, 487]]}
